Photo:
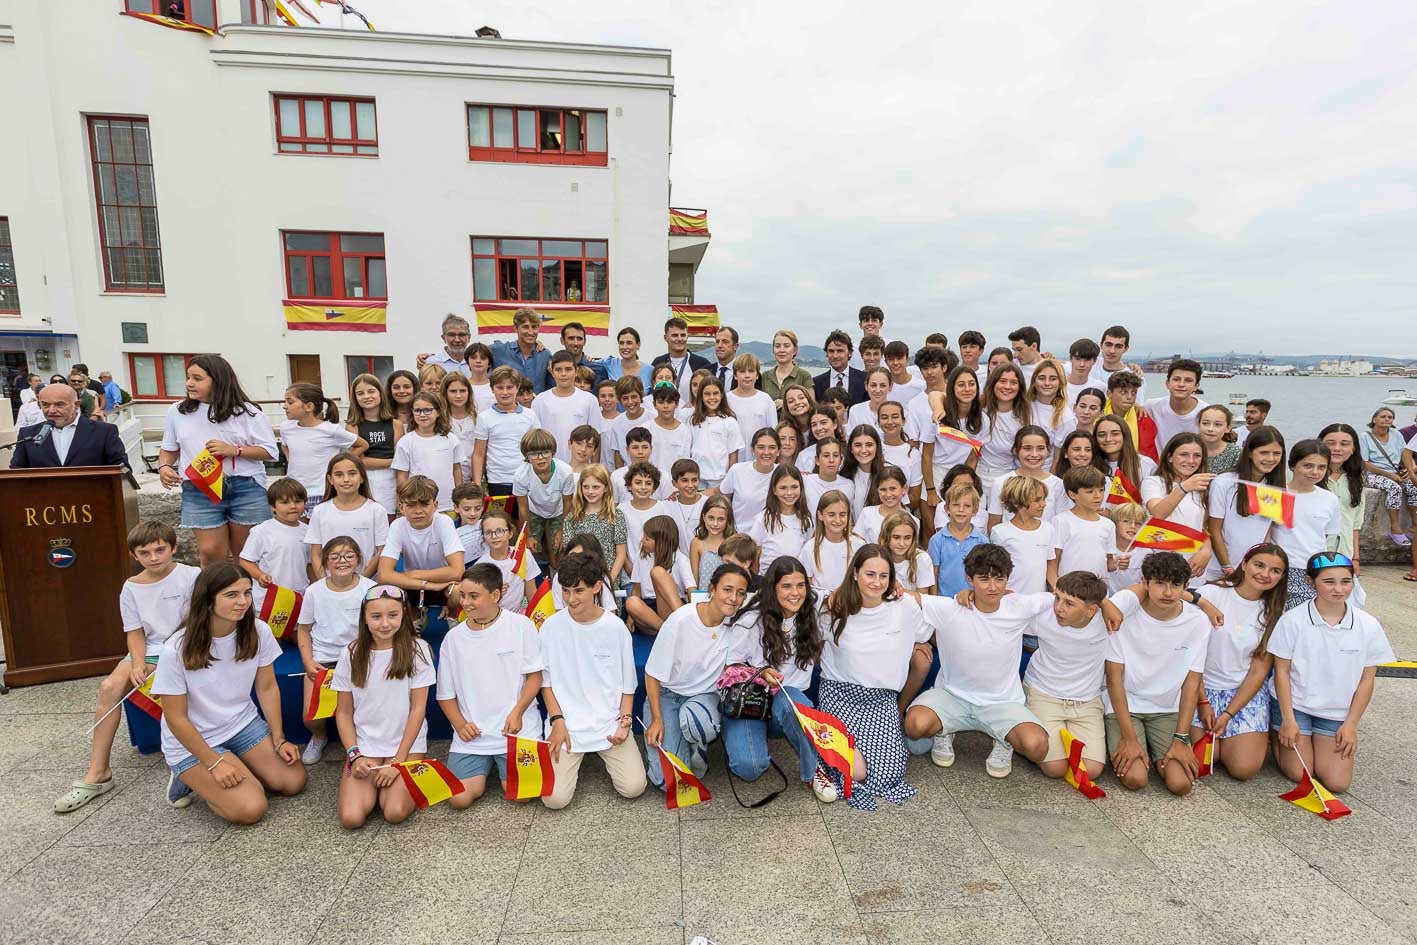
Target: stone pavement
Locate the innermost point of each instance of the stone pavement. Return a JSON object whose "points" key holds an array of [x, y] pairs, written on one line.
{"points": [[969, 859]]}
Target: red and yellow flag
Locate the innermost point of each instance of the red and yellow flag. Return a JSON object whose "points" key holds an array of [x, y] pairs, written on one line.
{"points": [[171, 23], [143, 698], [496, 318], [1122, 490], [529, 771], [688, 222], [519, 553], [1162, 535], [542, 604], [428, 781], [835, 745], [1270, 502], [1076, 774], [315, 315], [1315, 798], [204, 472], [323, 699], [681, 788], [281, 609], [1205, 754], [959, 436], [702, 319]]}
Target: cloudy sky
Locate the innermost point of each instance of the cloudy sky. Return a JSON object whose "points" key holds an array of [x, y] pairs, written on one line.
{"points": [[1214, 175]]}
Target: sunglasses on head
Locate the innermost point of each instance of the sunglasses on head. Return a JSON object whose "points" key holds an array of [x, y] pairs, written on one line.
{"points": [[384, 590]]}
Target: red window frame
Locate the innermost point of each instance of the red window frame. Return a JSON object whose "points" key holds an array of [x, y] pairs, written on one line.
{"points": [[128, 232], [156, 357], [337, 256], [298, 140], [511, 262], [200, 12], [9, 282], [576, 153], [366, 368]]}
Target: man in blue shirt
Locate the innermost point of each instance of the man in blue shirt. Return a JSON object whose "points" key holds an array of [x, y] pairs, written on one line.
{"points": [[525, 354], [573, 340], [112, 393]]}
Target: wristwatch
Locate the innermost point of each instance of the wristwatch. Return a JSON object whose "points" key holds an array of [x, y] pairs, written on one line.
{"points": [[1182, 737]]}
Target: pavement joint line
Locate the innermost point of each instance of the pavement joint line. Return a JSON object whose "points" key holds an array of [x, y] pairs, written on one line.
{"points": [[521, 860], [334, 900]]}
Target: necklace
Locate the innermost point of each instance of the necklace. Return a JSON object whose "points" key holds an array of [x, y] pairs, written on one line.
{"points": [[484, 624]]}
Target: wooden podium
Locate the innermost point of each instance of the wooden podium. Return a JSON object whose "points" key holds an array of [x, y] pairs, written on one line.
{"points": [[63, 561]]}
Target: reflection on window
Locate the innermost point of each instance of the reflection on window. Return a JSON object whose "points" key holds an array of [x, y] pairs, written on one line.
{"points": [[533, 270], [325, 125], [519, 134], [335, 265]]}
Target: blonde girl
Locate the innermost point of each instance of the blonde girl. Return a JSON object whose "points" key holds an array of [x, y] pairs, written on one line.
{"points": [[329, 622], [715, 524], [1222, 452], [371, 418], [833, 544], [593, 512], [462, 415], [430, 378], [1047, 397], [383, 679], [430, 449], [901, 537], [348, 510]]}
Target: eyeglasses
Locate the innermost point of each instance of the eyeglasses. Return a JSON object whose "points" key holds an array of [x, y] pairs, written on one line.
{"points": [[495, 532], [345, 556], [384, 590], [540, 454], [424, 411], [456, 335]]}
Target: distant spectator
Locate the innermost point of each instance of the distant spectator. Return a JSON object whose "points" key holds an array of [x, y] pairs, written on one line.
{"points": [[112, 393], [93, 386]]}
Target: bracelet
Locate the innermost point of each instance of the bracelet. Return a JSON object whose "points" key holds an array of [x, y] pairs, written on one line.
{"points": [[219, 759], [1203, 702], [352, 754], [556, 718], [238, 452], [283, 741], [171, 466]]}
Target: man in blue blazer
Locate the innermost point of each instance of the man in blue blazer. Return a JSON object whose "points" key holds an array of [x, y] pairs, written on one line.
{"points": [[65, 438], [841, 373]]}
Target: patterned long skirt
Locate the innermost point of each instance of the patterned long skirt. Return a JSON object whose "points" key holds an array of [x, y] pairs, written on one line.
{"points": [[872, 716]]}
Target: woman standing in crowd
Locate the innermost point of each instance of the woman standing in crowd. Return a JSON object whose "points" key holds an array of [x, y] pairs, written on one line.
{"points": [[1232, 523], [628, 364], [1382, 461], [401, 386], [1005, 412], [786, 370], [1088, 407], [1177, 493]]}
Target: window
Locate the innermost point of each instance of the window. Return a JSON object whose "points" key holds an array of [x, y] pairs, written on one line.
{"points": [[380, 365], [324, 125], [525, 135], [533, 270], [253, 12], [200, 12], [126, 194], [9, 288], [160, 376], [335, 265]]}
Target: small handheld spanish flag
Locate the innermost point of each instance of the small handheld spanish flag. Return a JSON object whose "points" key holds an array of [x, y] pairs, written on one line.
{"points": [[681, 788], [1315, 798], [959, 436], [428, 781], [529, 771], [1162, 535], [1076, 774], [519, 555], [204, 472], [1270, 502], [323, 699], [1122, 490], [541, 605], [1205, 754], [143, 698], [835, 745], [281, 609]]}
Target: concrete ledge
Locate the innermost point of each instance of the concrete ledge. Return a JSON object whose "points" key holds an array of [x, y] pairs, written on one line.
{"points": [[1375, 547]]}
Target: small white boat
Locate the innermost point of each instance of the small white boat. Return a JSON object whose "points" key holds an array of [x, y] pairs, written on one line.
{"points": [[1218, 374], [1238, 399], [1397, 397]]}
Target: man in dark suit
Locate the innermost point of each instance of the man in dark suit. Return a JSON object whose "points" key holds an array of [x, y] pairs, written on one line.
{"points": [[676, 339], [841, 374], [65, 438]]}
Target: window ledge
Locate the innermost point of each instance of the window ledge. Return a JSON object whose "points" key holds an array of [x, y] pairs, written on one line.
{"points": [[317, 154], [133, 293]]}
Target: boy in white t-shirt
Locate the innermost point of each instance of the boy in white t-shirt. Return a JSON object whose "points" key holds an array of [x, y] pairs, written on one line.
{"points": [[686, 503], [275, 552], [496, 451], [1082, 539], [638, 445], [631, 394], [643, 481], [426, 541], [604, 422], [562, 408], [1180, 411], [152, 604], [489, 671], [468, 502], [672, 437], [1127, 520], [543, 487]]}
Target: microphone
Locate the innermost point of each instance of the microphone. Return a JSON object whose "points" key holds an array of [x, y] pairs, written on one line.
{"points": [[44, 433]]}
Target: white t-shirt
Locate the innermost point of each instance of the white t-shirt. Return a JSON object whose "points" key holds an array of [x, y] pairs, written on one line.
{"points": [[687, 516], [711, 444], [920, 426], [748, 489], [622, 425], [503, 431], [1100, 376], [158, 608], [482, 396], [1190, 511], [218, 696], [669, 445], [281, 552], [1082, 545], [814, 487], [908, 391], [308, 451], [1069, 663], [1030, 551], [868, 525], [381, 705], [753, 413], [1227, 655], [1043, 417], [862, 415], [688, 656], [464, 430], [924, 572], [333, 617], [979, 652], [605, 426], [1157, 654], [431, 456], [778, 541], [1146, 466], [545, 499], [995, 503], [745, 645], [422, 549], [835, 556], [680, 571], [635, 524], [473, 547], [368, 525], [997, 453], [1327, 661], [187, 434], [875, 646], [1317, 520], [860, 492], [1240, 532], [514, 593], [560, 415], [590, 667], [484, 671], [907, 457], [1169, 422]]}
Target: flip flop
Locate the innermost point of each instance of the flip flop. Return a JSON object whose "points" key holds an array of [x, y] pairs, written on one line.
{"points": [[1399, 539], [1409, 577], [79, 794]]}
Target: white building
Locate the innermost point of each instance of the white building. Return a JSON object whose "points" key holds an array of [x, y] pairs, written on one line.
{"points": [[165, 192]]}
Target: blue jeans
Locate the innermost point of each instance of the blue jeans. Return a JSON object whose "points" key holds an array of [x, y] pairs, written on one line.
{"points": [[251, 735], [746, 740], [243, 502], [690, 724]]}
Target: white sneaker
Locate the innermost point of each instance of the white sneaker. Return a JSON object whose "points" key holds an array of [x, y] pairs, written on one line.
{"points": [[943, 751], [1000, 761], [313, 750], [823, 787]]}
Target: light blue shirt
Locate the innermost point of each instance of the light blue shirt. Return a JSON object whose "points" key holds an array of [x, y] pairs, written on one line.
{"points": [[63, 438], [445, 361], [112, 394]]}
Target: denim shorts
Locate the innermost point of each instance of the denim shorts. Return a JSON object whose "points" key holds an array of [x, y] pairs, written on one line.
{"points": [[243, 502], [467, 767], [1308, 724], [239, 744]]}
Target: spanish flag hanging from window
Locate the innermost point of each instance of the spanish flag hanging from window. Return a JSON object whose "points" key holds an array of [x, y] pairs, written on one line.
{"points": [[703, 319], [172, 23], [204, 472], [281, 609], [323, 699], [495, 318], [529, 772], [428, 781], [314, 315]]}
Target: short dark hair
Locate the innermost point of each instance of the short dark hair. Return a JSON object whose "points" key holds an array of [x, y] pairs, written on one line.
{"points": [[988, 561], [1083, 477], [1264, 405], [1123, 378], [562, 357], [972, 337], [1184, 364], [872, 343], [870, 311], [485, 575], [732, 332], [897, 349], [579, 568], [583, 434], [1084, 348], [1167, 567], [629, 384], [468, 490], [568, 326], [681, 467], [833, 395], [1117, 331], [628, 330], [674, 321], [145, 533], [649, 470], [1084, 585], [838, 336], [1027, 334], [937, 338], [664, 391], [929, 356], [728, 569], [285, 488], [638, 435]]}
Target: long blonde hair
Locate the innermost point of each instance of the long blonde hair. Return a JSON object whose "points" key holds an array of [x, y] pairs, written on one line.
{"points": [[829, 498], [600, 474], [912, 555]]}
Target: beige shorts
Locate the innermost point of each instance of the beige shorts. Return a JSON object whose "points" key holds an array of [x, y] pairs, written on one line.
{"points": [[1083, 719]]}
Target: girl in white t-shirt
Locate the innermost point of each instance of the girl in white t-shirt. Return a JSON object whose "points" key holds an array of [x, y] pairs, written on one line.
{"points": [[900, 535], [429, 449], [383, 679], [789, 442], [310, 435], [1177, 493], [1235, 705], [462, 416], [828, 462], [821, 425], [863, 465], [868, 411], [1233, 523], [328, 622], [348, 510], [891, 493], [1112, 441], [371, 416], [1031, 450], [715, 442], [661, 580], [1006, 410], [746, 483], [1047, 398], [833, 544], [214, 742], [898, 451], [1317, 517], [715, 524], [784, 524]]}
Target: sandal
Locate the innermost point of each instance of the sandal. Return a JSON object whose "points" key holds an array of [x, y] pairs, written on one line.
{"points": [[79, 794], [1400, 540], [1410, 576]]}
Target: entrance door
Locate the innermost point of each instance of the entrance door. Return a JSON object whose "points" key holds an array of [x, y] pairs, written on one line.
{"points": [[304, 369]]}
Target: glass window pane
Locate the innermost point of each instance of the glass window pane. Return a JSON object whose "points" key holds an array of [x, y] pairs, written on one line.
{"points": [[299, 270], [340, 124], [551, 282], [314, 118], [383, 366], [142, 151], [130, 227], [289, 111], [356, 243], [378, 280], [518, 247], [596, 282], [353, 278], [595, 248], [149, 218], [526, 128], [102, 148], [317, 148], [308, 241], [561, 248], [502, 128], [530, 282], [484, 279], [107, 189], [573, 131], [551, 130], [117, 268], [146, 193], [479, 128], [324, 282], [291, 146], [342, 148], [122, 132], [127, 177], [153, 260], [364, 121], [135, 268], [145, 377], [484, 247], [174, 374], [367, 149], [595, 131]]}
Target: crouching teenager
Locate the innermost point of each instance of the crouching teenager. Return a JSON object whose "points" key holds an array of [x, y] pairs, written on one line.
{"points": [[588, 684], [213, 740]]}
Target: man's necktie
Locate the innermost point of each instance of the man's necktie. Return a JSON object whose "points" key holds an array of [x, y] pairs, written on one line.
{"points": [[838, 381]]}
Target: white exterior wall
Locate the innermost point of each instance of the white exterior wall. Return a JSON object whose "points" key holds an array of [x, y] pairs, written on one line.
{"points": [[224, 193]]}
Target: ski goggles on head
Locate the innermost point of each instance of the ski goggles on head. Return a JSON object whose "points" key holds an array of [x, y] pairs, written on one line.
{"points": [[384, 590], [1328, 559]]}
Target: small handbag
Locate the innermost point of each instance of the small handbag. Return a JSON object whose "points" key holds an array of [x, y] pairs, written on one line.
{"points": [[741, 695]]}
